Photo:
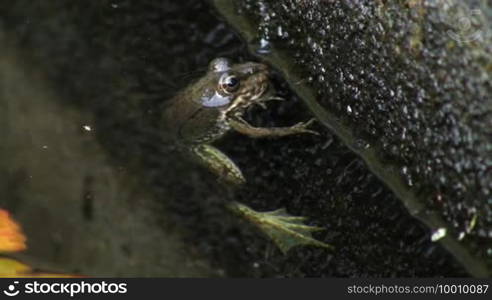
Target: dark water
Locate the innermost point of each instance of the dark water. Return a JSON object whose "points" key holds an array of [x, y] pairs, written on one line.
{"points": [[115, 63]]}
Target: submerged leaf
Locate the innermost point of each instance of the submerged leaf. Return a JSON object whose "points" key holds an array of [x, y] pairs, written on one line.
{"points": [[12, 268], [11, 237], [13, 240]]}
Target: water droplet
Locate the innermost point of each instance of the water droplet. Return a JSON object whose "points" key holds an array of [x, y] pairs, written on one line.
{"points": [[280, 31], [361, 144], [438, 234], [404, 170], [263, 47]]}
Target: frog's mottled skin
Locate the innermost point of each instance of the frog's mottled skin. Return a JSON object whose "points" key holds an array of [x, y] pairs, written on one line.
{"points": [[208, 109], [213, 106]]}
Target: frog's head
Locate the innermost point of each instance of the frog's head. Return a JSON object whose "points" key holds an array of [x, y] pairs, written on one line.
{"points": [[236, 87]]}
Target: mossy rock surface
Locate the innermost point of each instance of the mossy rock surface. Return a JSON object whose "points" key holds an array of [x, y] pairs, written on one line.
{"points": [[406, 85]]}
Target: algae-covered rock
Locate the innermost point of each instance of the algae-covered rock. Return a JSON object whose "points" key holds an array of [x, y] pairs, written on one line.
{"points": [[406, 85]]}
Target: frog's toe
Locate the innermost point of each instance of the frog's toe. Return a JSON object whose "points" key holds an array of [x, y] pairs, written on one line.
{"points": [[303, 127], [276, 98], [285, 230]]}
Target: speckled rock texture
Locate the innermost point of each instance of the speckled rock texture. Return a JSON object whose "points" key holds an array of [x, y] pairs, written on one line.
{"points": [[409, 80], [120, 61]]}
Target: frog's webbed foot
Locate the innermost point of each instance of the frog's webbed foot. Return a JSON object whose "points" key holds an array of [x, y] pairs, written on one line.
{"points": [[217, 162], [285, 230], [241, 126]]}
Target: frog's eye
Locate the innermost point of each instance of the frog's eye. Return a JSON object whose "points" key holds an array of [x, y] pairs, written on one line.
{"points": [[229, 83]]}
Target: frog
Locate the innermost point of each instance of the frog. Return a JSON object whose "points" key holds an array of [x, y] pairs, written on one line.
{"points": [[214, 106]]}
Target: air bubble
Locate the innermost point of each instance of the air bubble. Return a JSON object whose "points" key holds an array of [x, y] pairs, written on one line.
{"points": [[263, 46], [361, 144], [280, 31]]}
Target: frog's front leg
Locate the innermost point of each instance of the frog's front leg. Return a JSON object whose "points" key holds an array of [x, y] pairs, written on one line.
{"points": [[241, 126], [217, 162]]}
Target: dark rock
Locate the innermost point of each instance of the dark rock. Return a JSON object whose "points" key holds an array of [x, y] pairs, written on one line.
{"points": [[119, 61], [406, 85]]}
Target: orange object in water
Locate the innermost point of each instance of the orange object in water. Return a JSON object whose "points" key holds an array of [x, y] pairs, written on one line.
{"points": [[11, 237]]}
